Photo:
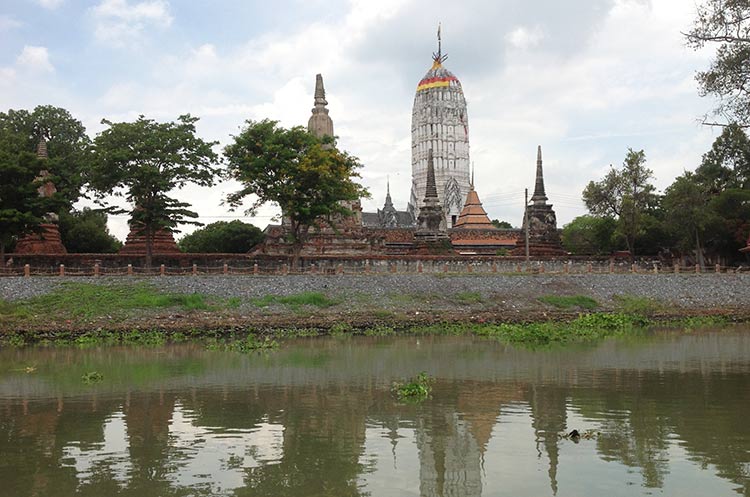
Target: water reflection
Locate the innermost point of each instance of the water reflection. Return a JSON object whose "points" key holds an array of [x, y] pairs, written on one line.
{"points": [[317, 419]]}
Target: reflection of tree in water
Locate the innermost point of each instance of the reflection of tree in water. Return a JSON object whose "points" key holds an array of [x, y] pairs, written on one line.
{"points": [[324, 435], [640, 410]]}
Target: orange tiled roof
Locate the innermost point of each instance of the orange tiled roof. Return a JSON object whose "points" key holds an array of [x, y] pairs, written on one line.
{"points": [[473, 215]]}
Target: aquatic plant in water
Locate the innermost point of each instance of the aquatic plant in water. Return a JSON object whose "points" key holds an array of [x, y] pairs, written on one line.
{"points": [[415, 389]]}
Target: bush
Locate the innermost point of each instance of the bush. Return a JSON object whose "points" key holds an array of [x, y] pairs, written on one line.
{"points": [[234, 237]]}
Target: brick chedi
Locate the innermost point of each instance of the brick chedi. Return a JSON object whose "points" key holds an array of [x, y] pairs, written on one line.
{"points": [[47, 240], [440, 124], [163, 243], [544, 238], [431, 221], [473, 215]]}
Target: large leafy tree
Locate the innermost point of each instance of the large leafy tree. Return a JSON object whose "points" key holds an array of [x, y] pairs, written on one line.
{"points": [[587, 235], [233, 237], [144, 161], [625, 194], [726, 24], [306, 176], [85, 232], [727, 164], [68, 145], [687, 214]]}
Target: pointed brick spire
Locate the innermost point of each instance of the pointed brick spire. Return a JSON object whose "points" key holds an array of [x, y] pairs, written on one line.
{"points": [[431, 190], [539, 196], [41, 148], [320, 92], [320, 123]]}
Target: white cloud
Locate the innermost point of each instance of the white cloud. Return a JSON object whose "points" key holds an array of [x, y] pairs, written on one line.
{"points": [[35, 59], [523, 37], [50, 4], [7, 23], [119, 22]]}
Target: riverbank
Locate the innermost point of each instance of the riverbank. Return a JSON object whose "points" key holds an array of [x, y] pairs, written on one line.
{"points": [[46, 307]]}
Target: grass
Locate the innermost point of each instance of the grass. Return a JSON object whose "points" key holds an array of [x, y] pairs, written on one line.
{"points": [[296, 301], [639, 306], [469, 297], [86, 301], [569, 301], [245, 345], [92, 377]]}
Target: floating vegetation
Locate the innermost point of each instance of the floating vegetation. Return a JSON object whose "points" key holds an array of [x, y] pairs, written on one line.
{"points": [[415, 389], [92, 377], [248, 344]]}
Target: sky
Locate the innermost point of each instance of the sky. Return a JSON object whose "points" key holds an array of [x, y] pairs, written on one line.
{"points": [[585, 79]]}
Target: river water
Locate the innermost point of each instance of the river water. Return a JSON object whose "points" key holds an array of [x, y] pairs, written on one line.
{"points": [[669, 414]]}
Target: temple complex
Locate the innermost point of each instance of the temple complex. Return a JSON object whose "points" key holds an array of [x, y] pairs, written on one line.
{"points": [[440, 124], [47, 240], [473, 215], [388, 216], [544, 238]]}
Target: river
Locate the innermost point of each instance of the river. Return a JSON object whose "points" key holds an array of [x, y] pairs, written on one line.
{"points": [[667, 413]]}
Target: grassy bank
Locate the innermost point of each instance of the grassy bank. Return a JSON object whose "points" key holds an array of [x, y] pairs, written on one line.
{"points": [[85, 314]]}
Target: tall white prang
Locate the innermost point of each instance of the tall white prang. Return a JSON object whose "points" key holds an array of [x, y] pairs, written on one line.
{"points": [[440, 123]]}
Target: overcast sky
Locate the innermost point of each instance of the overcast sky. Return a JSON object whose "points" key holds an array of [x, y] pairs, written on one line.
{"points": [[586, 79]]}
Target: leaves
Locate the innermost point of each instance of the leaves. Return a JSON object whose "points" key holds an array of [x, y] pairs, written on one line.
{"points": [[224, 237], [727, 24]]}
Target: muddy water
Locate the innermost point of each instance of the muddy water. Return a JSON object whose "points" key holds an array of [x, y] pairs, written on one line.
{"points": [[669, 414]]}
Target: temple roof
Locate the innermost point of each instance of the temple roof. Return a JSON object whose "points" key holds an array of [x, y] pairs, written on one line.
{"points": [[473, 215]]}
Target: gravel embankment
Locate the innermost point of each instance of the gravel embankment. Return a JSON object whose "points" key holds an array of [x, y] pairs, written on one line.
{"points": [[707, 291]]}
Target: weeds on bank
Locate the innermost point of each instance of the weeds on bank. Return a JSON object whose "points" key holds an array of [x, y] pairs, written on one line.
{"points": [[639, 306], [569, 301], [469, 297], [245, 345], [414, 389], [296, 301]]}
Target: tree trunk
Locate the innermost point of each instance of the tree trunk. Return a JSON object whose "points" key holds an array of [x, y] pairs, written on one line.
{"points": [[699, 251], [2, 253], [149, 246]]}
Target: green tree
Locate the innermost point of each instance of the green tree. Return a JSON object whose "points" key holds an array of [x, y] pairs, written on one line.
{"points": [[727, 164], [593, 235], [144, 161], [21, 207], [68, 145], [306, 176], [85, 232], [687, 214], [725, 23], [503, 225], [233, 237], [625, 194]]}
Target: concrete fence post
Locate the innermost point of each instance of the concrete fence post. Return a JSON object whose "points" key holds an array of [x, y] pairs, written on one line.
{"points": [[255, 268], [676, 269], [589, 268], [518, 268], [225, 269], [419, 267], [445, 267], [62, 269], [130, 270], [313, 269], [195, 269], [718, 268], [566, 268], [162, 270], [393, 267], [96, 269], [469, 267], [697, 269], [541, 268], [611, 267], [494, 267], [656, 269], [340, 269], [633, 268], [26, 271], [367, 266]]}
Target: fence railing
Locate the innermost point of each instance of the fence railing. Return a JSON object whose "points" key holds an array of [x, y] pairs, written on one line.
{"points": [[377, 267]]}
